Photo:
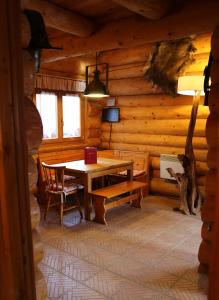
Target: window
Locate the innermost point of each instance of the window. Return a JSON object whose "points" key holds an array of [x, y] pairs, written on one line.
{"points": [[47, 107], [61, 116], [71, 119]]}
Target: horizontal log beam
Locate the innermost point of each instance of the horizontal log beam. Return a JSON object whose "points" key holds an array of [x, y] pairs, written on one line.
{"points": [[138, 54], [93, 142], [126, 56], [154, 140], [167, 127], [62, 19], [126, 71], [162, 113], [151, 9], [128, 86], [152, 100], [136, 30], [160, 186], [200, 155], [136, 69]]}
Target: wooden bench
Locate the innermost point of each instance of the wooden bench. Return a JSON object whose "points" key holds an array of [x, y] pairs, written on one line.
{"points": [[101, 196], [140, 166]]}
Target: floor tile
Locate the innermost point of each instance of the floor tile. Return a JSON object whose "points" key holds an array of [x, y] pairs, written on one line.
{"points": [[134, 291], [185, 290], [154, 279], [106, 283], [80, 270], [141, 254]]}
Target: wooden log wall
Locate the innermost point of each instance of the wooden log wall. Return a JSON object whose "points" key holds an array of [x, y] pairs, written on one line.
{"points": [[150, 120], [212, 130]]}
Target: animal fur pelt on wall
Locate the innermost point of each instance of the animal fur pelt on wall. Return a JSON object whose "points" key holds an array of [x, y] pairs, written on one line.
{"points": [[167, 62]]}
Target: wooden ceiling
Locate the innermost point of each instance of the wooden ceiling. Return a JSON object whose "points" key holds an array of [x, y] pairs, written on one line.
{"points": [[99, 11], [85, 27]]}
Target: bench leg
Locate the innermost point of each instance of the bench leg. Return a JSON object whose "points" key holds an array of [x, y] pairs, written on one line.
{"points": [[137, 203], [99, 210]]}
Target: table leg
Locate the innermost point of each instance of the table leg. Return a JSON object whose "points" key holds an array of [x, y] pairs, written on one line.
{"points": [[87, 200], [130, 174]]}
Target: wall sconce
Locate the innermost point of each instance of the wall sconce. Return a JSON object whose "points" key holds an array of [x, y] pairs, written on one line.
{"points": [[96, 88]]}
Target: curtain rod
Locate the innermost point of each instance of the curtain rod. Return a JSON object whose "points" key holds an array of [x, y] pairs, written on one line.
{"points": [[62, 77]]}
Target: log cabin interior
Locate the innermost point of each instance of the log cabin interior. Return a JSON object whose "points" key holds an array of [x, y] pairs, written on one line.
{"points": [[159, 239]]}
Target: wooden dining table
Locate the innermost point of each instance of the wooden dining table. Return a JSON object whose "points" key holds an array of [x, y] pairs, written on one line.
{"points": [[85, 173]]}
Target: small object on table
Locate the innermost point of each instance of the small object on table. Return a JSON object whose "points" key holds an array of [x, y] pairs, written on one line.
{"points": [[90, 155]]}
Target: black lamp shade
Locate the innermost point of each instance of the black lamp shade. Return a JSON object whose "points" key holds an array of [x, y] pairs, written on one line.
{"points": [[96, 88]]}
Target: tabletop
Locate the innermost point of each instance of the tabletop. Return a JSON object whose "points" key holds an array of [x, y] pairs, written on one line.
{"points": [[102, 164]]}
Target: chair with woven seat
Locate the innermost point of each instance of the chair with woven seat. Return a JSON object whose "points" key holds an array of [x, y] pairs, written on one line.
{"points": [[57, 190]]}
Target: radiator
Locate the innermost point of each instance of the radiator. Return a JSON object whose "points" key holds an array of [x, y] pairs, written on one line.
{"points": [[169, 161]]}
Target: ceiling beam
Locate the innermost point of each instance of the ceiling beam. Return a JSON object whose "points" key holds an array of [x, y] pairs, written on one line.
{"points": [[61, 19], [151, 9], [134, 31]]}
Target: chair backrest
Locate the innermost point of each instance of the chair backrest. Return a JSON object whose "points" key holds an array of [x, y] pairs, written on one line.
{"points": [[54, 177]]}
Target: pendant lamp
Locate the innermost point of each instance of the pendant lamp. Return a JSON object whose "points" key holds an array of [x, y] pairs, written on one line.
{"points": [[96, 88]]}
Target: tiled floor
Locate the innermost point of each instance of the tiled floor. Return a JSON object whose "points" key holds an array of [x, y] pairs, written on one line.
{"points": [[142, 254]]}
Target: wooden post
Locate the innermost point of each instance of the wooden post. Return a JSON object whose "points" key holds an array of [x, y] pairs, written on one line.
{"points": [[210, 210], [16, 259], [190, 198]]}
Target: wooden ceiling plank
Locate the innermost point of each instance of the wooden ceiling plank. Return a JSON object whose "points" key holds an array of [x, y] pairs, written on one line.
{"points": [[151, 9], [134, 31], [62, 19]]}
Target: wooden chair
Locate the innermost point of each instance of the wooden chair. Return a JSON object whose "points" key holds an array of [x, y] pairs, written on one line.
{"points": [[57, 190], [41, 182]]}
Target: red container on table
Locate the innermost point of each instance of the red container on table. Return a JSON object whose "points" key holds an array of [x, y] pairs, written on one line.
{"points": [[90, 155]]}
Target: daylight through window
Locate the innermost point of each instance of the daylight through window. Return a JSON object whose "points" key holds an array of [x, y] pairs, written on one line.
{"points": [[60, 114]]}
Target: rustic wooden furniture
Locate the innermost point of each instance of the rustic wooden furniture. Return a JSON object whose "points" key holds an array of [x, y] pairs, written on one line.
{"points": [[140, 166], [86, 173], [101, 196], [57, 190], [41, 182]]}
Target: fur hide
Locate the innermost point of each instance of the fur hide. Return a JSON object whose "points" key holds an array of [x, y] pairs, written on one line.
{"points": [[167, 62]]}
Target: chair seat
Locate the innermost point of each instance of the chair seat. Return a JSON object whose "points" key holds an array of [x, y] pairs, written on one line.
{"points": [[68, 187], [135, 173], [69, 178]]}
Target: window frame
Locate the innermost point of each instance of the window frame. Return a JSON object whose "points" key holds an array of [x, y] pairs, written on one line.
{"points": [[60, 138]]}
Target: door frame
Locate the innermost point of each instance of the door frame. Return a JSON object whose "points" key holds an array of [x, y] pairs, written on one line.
{"points": [[16, 259]]}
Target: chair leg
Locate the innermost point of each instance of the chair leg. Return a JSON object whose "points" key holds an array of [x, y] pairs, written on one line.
{"points": [[79, 205], [61, 209], [47, 206]]}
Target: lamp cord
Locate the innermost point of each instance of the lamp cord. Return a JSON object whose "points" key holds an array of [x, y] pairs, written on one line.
{"points": [[110, 134]]}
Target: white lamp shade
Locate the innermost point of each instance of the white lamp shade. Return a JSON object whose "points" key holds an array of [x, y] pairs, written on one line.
{"points": [[190, 85]]}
